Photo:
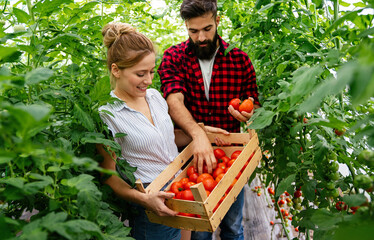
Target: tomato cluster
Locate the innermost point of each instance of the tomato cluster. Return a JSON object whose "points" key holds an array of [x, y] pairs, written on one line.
{"points": [[246, 105], [182, 190]]}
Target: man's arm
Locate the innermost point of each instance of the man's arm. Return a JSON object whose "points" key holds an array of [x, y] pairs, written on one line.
{"points": [[202, 148]]}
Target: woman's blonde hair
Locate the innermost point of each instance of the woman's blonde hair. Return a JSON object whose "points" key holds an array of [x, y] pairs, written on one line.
{"points": [[126, 46]]}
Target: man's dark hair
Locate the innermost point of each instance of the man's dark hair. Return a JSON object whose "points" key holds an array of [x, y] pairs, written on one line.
{"points": [[197, 8]]}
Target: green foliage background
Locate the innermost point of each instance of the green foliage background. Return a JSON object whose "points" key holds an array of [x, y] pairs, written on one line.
{"points": [[312, 60]]}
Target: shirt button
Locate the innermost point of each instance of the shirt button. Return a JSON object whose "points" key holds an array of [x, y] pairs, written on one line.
{"points": [[210, 113]]}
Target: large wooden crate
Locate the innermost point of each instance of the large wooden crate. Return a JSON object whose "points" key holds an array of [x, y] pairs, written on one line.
{"points": [[249, 145]]}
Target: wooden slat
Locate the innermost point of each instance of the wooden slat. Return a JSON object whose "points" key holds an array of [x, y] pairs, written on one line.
{"points": [[241, 138], [229, 177], [139, 186], [182, 222], [185, 206], [231, 197], [171, 170]]}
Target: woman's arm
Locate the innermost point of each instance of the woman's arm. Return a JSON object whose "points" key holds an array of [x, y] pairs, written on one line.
{"points": [[151, 201]]}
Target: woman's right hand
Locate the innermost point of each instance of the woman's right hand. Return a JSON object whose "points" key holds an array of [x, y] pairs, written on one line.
{"points": [[156, 203]]}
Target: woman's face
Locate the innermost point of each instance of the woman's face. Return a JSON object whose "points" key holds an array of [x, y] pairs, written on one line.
{"points": [[134, 81]]}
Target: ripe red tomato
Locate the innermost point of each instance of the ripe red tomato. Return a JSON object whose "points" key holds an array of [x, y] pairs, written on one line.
{"points": [[217, 172], [186, 214], [236, 154], [281, 202], [205, 168], [203, 176], [232, 185], [176, 187], [219, 177], [339, 132], [207, 193], [246, 106], [191, 170], [235, 103], [193, 177], [229, 164], [188, 185], [297, 194], [271, 191], [184, 181], [271, 223], [341, 205], [178, 195], [187, 195], [245, 165], [221, 165], [224, 159], [219, 153], [209, 184]]}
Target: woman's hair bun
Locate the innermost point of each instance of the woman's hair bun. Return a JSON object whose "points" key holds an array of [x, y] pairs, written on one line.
{"points": [[112, 31]]}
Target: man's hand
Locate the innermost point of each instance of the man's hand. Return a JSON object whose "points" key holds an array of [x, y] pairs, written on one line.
{"points": [[241, 116]]}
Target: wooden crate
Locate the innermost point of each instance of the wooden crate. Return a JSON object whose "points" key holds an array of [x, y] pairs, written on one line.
{"points": [[203, 205]]}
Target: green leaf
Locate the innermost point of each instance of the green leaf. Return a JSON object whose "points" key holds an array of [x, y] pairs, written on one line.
{"points": [[325, 219], [366, 33], [22, 16], [16, 182], [126, 171], [38, 75], [84, 118], [83, 226], [339, 21], [359, 4], [264, 119], [354, 199], [281, 67], [6, 157], [88, 204], [119, 135], [309, 189], [304, 80], [284, 185], [6, 52]]}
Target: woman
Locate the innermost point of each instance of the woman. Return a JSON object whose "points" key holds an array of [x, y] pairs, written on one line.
{"points": [[141, 113]]}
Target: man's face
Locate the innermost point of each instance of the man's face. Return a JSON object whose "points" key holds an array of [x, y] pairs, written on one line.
{"points": [[203, 35]]}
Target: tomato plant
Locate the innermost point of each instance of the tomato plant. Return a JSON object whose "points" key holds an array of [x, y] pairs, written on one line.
{"points": [[313, 60]]}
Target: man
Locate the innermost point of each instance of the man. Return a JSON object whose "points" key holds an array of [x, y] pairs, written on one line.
{"points": [[198, 81]]}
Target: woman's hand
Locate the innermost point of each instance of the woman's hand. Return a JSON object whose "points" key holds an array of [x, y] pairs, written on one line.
{"points": [[218, 141], [156, 203]]}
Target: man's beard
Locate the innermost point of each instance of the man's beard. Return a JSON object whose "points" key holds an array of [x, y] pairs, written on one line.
{"points": [[205, 52]]}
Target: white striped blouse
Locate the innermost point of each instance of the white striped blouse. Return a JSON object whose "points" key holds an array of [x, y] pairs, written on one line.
{"points": [[150, 148]]}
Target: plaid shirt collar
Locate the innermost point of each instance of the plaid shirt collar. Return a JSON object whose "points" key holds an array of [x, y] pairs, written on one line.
{"points": [[222, 47]]}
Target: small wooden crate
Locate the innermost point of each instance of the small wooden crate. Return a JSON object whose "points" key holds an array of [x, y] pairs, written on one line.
{"points": [[203, 205]]}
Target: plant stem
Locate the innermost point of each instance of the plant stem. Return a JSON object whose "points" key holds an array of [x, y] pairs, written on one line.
{"points": [[336, 15], [29, 7], [6, 2], [282, 220]]}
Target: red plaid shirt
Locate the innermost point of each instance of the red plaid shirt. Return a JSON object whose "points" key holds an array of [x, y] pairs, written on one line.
{"points": [[233, 76]]}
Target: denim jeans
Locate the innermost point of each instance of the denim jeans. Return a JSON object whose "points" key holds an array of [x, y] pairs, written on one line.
{"points": [[231, 225], [143, 229]]}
